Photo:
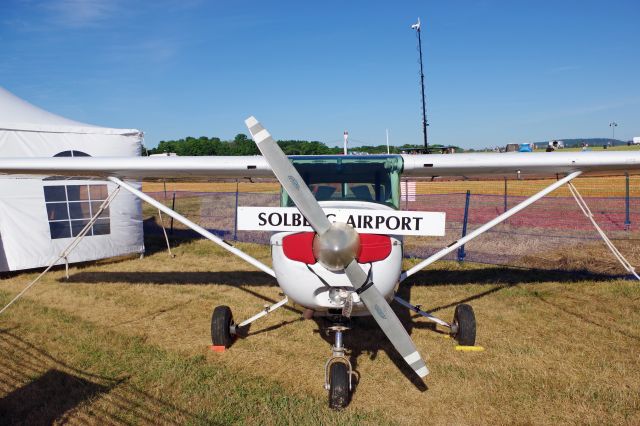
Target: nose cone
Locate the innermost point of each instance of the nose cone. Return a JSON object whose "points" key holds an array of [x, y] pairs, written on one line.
{"points": [[337, 247]]}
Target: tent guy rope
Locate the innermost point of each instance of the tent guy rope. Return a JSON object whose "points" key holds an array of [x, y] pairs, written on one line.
{"points": [[587, 212], [65, 253]]}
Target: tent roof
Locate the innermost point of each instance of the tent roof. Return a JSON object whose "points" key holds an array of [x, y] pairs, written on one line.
{"points": [[18, 114]]}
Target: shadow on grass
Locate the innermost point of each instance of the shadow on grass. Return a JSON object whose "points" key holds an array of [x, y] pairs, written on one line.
{"points": [[502, 276], [499, 276], [231, 278], [47, 398], [39, 389]]}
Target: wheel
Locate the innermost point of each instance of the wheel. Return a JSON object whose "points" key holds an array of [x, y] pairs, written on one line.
{"points": [[338, 385], [221, 321], [465, 320]]}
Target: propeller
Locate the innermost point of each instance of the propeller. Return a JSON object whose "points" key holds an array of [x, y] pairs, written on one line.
{"points": [[335, 246]]}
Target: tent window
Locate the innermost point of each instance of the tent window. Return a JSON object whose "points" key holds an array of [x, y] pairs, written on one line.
{"points": [[72, 153], [70, 207]]}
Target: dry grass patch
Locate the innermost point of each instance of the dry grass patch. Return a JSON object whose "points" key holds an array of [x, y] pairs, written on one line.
{"points": [[602, 186], [243, 186], [557, 350]]}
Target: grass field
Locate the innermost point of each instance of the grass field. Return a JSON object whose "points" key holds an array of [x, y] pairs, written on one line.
{"points": [[607, 186], [126, 343]]}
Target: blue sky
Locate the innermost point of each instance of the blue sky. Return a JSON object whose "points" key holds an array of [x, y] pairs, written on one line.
{"points": [[496, 71]]}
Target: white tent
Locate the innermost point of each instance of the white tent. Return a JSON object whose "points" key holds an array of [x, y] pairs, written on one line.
{"points": [[40, 216]]}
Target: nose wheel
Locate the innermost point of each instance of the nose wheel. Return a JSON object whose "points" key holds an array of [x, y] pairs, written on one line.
{"points": [[339, 385]]}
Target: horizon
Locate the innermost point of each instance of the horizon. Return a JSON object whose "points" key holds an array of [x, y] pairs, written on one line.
{"points": [[495, 72]]}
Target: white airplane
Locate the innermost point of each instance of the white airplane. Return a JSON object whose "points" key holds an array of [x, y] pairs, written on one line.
{"points": [[338, 252]]}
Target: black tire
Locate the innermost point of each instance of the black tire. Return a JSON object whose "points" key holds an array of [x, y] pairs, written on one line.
{"points": [[221, 321], [465, 319], [338, 385]]}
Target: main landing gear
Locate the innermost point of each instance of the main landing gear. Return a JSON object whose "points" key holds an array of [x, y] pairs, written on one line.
{"points": [[223, 329], [463, 326]]}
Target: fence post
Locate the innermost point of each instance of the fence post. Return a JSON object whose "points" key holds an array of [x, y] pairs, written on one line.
{"points": [[461, 253], [406, 195], [505, 195], [627, 220], [173, 207], [235, 216]]}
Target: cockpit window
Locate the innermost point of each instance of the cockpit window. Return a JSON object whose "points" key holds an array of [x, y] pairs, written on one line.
{"points": [[373, 178]]}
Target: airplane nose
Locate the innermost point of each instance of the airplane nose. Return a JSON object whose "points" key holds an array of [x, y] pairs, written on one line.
{"points": [[337, 247]]}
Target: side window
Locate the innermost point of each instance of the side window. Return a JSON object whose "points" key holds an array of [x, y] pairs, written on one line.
{"points": [[70, 207]]}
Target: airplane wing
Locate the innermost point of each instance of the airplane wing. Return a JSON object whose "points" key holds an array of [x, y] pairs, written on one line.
{"points": [[512, 164], [140, 167], [472, 164]]}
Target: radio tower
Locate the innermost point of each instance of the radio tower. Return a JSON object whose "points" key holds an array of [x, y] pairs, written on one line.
{"points": [[416, 27]]}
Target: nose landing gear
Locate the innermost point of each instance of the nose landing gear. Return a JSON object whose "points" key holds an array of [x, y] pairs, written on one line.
{"points": [[338, 371]]}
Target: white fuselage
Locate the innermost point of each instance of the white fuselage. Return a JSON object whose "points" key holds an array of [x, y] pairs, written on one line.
{"points": [[315, 287]]}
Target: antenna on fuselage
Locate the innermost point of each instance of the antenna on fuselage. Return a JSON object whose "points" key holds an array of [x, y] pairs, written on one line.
{"points": [[346, 141]]}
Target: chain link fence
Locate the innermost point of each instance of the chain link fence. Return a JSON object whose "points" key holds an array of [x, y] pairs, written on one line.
{"points": [[553, 233]]}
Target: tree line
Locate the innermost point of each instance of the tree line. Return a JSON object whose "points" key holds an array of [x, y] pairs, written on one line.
{"points": [[243, 145]]}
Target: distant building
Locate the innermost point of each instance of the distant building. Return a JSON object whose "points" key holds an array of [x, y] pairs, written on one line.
{"points": [[164, 154], [520, 147], [553, 145]]}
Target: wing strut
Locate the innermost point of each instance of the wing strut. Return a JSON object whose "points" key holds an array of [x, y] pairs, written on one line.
{"points": [[484, 228], [200, 230]]}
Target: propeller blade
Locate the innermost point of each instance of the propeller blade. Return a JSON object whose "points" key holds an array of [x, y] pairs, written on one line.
{"points": [[386, 318], [304, 200], [288, 177]]}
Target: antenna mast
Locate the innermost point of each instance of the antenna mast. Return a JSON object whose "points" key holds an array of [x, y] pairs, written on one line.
{"points": [[424, 107]]}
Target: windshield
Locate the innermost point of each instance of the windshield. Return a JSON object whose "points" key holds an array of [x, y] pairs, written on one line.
{"points": [[373, 178]]}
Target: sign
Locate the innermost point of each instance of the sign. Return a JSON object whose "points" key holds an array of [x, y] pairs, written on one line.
{"points": [[364, 221]]}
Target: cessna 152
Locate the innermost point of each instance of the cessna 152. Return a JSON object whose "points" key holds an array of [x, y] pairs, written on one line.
{"points": [[339, 251]]}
